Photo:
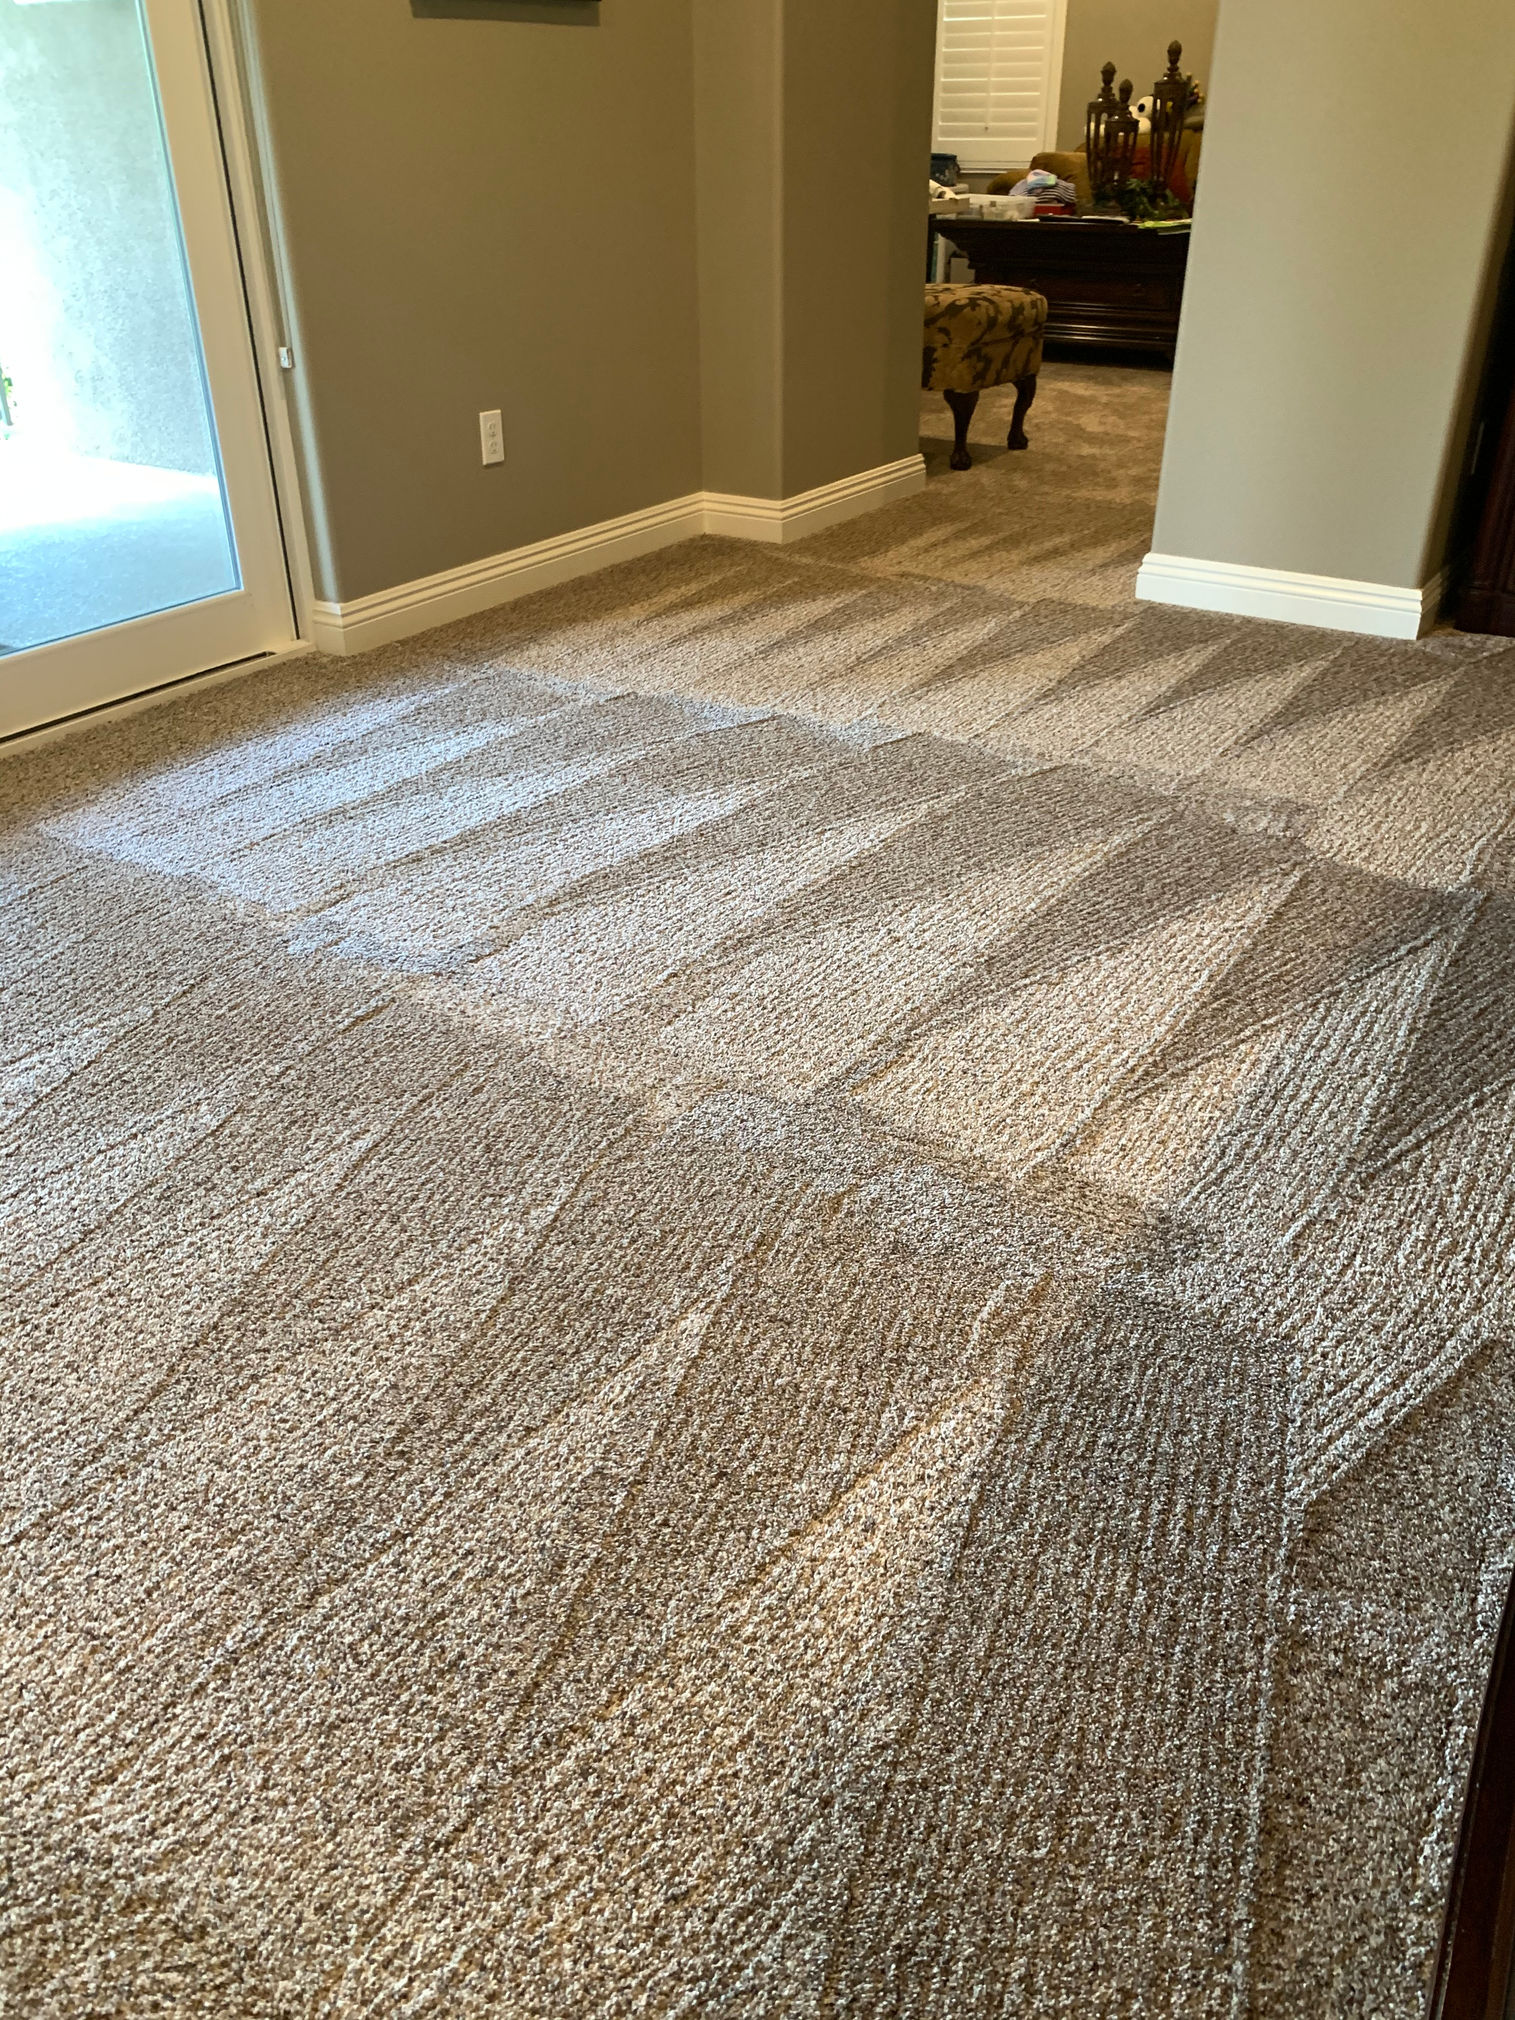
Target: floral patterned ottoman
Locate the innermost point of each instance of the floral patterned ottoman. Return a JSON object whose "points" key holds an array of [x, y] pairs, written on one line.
{"points": [[978, 337]]}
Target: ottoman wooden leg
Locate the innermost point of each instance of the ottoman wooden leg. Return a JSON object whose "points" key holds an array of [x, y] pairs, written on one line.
{"points": [[1025, 393], [962, 405]]}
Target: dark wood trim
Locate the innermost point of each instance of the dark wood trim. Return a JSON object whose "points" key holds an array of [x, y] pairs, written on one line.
{"points": [[1487, 602], [1473, 1968], [1483, 532]]}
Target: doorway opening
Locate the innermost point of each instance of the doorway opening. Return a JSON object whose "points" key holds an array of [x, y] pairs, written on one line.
{"points": [[1067, 137], [139, 531]]}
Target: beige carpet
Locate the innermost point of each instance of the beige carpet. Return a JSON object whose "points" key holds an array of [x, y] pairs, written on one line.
{"points": [[776, 1286]]}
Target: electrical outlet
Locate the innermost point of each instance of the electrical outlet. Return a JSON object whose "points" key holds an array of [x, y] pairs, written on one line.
{"points": [[492, 436]]}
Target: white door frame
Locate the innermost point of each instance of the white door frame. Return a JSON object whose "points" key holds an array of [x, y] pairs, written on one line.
{"points": [[216, 184], [238, 95]]}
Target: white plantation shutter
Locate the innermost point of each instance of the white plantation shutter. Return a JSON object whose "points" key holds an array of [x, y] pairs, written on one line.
{"points": [[997, 64]]}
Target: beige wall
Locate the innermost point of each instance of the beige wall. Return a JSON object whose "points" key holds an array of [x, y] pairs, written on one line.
{"points": [[738, 114], [624, 234], [483, 213], [629, 237], [1332, 315], [1134, 35], [857, 143]]}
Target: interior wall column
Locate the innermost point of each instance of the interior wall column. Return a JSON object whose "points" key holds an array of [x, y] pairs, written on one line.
{"points": [[1336, 307], [812, 125], [739, 101]]}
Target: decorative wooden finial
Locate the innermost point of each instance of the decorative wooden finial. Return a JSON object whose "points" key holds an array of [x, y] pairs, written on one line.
{"points": [[1171, 98], [1110, 130]]}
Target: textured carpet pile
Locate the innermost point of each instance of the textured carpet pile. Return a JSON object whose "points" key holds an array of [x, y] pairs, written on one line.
{"points": [[779, 1285]]}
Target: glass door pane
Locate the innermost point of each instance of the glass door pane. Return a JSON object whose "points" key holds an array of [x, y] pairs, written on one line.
{"points": [[112, 503], [139, 532]]}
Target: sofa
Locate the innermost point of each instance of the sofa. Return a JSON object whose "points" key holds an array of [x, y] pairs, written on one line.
{"points": [[1074, 168]]}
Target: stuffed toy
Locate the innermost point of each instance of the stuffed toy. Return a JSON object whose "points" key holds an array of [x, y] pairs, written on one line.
{"points": [[1194, 118]]}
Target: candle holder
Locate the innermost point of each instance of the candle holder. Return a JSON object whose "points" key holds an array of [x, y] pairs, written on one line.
{"points": [[1172, 96], [1110, 130]]}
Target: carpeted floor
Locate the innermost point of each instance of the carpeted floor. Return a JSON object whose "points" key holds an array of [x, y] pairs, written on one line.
{"points": [[775, 1286]]}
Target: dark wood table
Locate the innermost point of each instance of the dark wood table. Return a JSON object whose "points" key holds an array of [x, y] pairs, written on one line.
{"points": [[1109, 286]]}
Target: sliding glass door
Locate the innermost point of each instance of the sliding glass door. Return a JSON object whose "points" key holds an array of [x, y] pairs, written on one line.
{"points": [[139, 536]]}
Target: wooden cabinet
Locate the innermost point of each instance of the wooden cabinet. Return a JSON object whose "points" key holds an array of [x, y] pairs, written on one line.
{"points": [[1108, 286]]}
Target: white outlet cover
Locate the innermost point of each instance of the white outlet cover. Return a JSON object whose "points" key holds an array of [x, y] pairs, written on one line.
{"points": [[492, 436]]}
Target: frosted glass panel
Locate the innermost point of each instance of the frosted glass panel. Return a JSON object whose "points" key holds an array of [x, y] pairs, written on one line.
{"points": [[111, 498]]}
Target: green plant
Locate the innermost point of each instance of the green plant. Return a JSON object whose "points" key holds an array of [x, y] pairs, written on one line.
{"points": [[1140, 200]]}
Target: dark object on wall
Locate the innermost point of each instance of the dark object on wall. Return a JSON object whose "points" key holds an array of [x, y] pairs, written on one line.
{"points": [[1108, 286], [559, 13], [1483, 531], [1487, 598], [1172, 96], [1473, 1969], [946, 168], [1110, 130]]}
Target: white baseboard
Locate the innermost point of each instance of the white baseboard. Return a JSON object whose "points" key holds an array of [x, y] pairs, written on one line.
{"points": [[1381, 609], [785, 519], [460, 592]]}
